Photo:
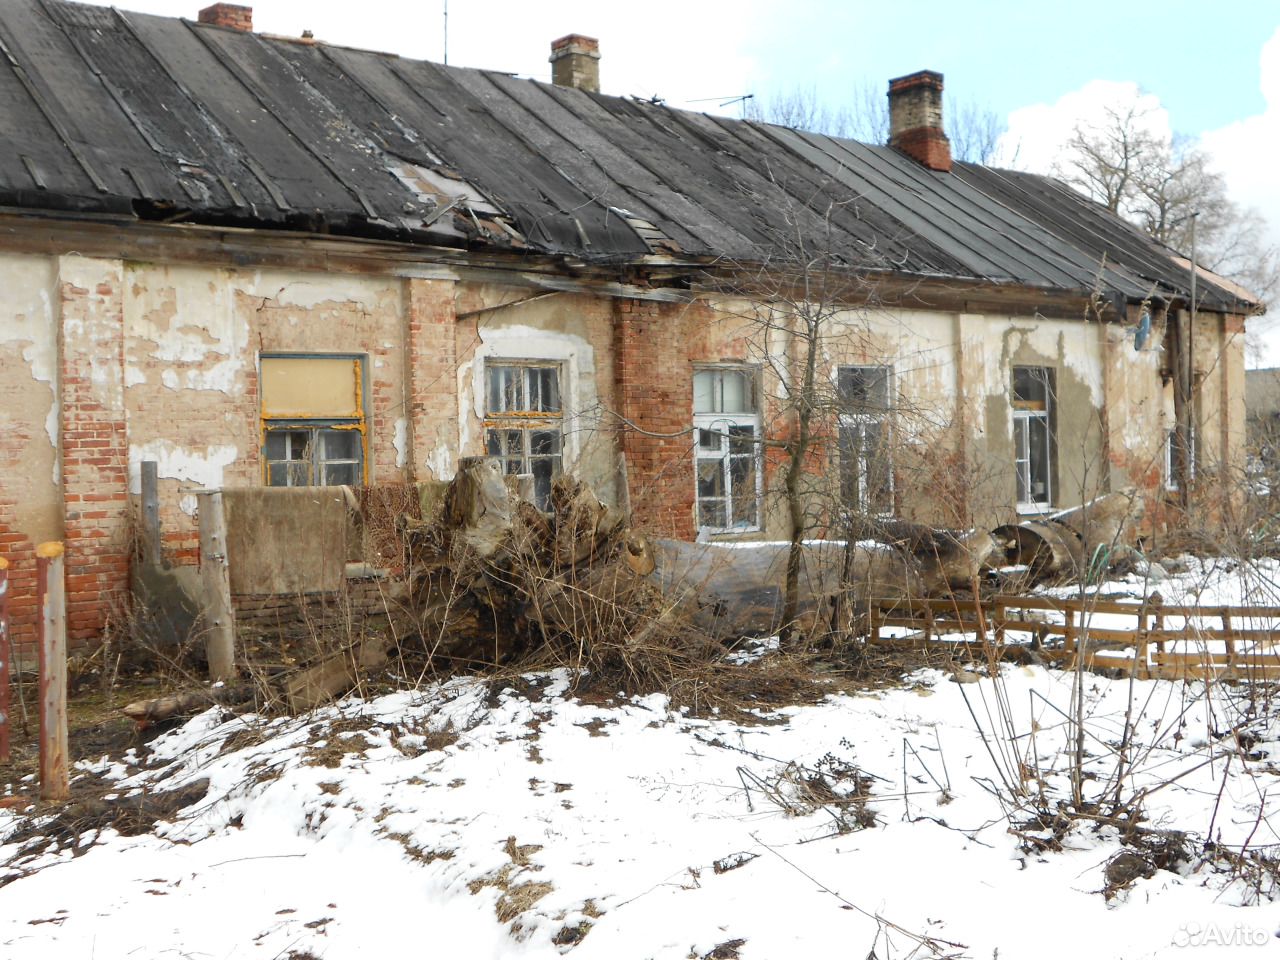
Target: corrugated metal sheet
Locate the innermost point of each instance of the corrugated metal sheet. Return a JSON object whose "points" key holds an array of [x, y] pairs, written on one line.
{"points": [[107, 111]]}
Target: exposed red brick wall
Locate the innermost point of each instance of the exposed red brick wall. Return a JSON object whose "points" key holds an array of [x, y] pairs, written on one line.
{"points": [[654, 382], [432, 347], [231, 15], [94, 443], [17, 548]]}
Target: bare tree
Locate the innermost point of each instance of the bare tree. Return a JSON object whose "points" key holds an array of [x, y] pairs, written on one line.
{"points": [[974, 131], [1157, 182]]}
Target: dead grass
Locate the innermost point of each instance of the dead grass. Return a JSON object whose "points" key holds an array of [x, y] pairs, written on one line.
{"points": [[517, 899]]}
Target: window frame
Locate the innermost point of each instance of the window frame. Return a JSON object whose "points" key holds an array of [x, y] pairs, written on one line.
{"points": [[526, 422], [1024, 412], [316, 426], [722, 423], [850, 418]]}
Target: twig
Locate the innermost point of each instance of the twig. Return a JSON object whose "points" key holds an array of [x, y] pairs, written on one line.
{"points": [[931, 943]]}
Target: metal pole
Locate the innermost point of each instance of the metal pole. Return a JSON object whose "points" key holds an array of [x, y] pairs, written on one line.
{"points": [[51, 595], [1191, 365], [5, 650]]}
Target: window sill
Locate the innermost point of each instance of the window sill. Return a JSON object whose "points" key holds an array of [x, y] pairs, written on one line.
{"points": [[1036, 509], [723, 534]]}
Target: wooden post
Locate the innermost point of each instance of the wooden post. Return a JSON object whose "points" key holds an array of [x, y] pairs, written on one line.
{"points": [[51, 595], [220, 645], [5, 651], [150, 512]]}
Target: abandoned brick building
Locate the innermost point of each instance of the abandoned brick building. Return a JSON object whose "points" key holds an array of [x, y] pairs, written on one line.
{"points": [[260, 260]]}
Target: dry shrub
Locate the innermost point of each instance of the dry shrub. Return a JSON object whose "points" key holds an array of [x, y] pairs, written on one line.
{"points": [[571, 589]]}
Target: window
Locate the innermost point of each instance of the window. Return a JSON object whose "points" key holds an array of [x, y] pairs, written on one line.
{"points": [[1033, 434], [866, 466], [727, 459], [312, 420], [523, 422]]}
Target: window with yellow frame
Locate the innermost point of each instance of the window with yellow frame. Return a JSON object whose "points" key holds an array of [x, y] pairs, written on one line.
{"points": [[313, 423]]}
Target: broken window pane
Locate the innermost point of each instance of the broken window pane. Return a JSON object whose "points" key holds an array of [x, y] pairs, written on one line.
{"points": [[1031, 387], [522, 405], [863, 390], [710, 478]]}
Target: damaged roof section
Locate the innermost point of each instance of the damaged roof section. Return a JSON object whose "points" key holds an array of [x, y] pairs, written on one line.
{"points": [[166, 119]]}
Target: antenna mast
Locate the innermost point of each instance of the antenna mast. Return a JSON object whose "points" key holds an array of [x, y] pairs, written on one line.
{"points": [[446, 32]]}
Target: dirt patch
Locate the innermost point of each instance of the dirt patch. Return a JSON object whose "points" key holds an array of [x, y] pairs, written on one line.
{"points": [[95, 726], [78, 824], [332, 751]]}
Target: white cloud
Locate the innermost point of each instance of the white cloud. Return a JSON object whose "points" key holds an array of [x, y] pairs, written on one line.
{"points": [[1038, 133], [1244, 151]]}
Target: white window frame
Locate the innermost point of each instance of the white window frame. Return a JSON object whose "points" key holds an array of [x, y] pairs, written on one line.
{"points": [[851, 417], [503, 421], [720, 425], [1022, 434]]}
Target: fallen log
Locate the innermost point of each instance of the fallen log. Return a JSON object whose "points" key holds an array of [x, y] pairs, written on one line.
{"points": [[333, 675], [187, 702]]}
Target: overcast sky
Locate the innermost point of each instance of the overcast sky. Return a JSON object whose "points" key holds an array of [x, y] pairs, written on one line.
{"points": [[1214, 68]]}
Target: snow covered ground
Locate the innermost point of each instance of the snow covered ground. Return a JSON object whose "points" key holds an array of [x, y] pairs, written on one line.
{"points": [[464, 820]]}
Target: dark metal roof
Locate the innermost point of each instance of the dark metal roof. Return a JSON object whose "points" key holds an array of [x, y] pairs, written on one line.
{"points": [[115, 112]]}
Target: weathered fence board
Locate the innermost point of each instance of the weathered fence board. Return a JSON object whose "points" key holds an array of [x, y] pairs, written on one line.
{"points": [[1140, 647]]}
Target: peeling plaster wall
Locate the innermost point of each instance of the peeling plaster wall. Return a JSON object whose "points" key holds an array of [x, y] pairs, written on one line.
{"points": [[193, 339], [953, 426], [1073, 350], [29, 399], [30, 485]]}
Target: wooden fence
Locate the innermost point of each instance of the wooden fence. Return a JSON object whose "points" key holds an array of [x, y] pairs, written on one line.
{"points": [[1171, 641]]}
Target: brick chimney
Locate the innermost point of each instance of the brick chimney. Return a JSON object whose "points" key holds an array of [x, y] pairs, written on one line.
{"points": [[915, 119], [575, 62], [230, 15]]}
